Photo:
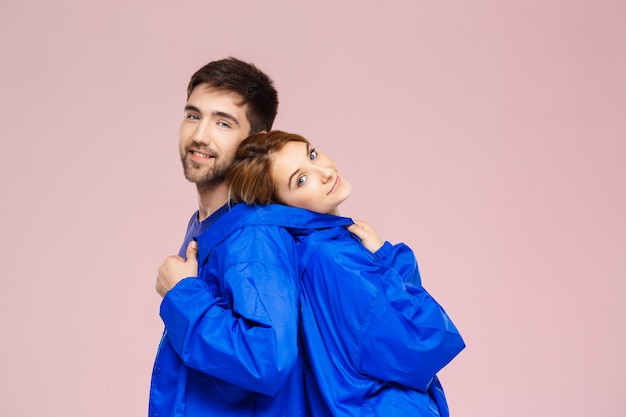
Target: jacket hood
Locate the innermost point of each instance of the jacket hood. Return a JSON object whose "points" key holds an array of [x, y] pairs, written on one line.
{"points": [[299, 222]]}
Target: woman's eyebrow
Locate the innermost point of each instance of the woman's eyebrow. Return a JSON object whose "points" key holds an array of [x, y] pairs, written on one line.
{"points": [[291, 177], [308, 149]]}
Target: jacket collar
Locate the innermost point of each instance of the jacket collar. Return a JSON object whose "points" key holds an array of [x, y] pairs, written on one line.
{"points": [[298, 221]]}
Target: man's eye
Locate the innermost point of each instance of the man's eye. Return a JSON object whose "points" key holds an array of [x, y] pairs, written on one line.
{"points": [[313, 155], [193, 117], [301, 180], [223, 124]]}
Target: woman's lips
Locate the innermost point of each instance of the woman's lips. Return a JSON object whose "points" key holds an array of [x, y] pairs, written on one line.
{"points": [[335, 185]]}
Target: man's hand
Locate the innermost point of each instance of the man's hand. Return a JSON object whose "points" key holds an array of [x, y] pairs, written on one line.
{"points": [[368, 236], [174, 268]]}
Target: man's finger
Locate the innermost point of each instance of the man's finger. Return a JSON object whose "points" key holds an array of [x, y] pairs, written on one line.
{"points": [[192, 250]]}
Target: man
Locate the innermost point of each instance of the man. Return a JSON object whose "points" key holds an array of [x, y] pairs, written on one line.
{"points": [[230, 342]]}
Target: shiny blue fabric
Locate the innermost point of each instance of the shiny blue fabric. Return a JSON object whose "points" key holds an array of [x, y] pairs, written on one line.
{"points": [[372, 338], [230, 346]]}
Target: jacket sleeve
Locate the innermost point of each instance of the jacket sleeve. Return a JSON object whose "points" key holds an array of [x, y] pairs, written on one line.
{"points": [[407, 336], [249, 336]]}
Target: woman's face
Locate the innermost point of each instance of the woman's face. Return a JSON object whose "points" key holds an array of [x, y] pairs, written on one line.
{"points": [[308, 179]]}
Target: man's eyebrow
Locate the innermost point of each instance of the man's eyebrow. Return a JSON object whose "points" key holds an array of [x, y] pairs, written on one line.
{"points": [[189, 107], [308, 147], [226, 116], [221, 114]]}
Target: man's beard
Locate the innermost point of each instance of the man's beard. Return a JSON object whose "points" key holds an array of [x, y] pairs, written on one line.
{"points": [[205, 176]]}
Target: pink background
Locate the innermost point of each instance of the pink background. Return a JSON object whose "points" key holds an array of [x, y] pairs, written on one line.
{"points": [[488, 135]]}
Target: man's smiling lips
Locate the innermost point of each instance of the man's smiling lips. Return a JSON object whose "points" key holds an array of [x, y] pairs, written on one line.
{"points": [[200, 156]]}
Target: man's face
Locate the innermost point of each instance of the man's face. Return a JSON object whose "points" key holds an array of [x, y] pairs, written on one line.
{"points": [[213, 126]]}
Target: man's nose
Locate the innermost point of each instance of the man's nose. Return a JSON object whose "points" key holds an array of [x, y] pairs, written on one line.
{"points": [[201, 134]]}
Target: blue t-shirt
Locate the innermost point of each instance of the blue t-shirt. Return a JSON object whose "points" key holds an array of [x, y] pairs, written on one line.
{"points": [[196, 228]]}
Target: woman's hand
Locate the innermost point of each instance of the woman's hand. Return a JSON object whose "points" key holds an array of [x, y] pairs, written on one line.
{"points": [[368, 236]]}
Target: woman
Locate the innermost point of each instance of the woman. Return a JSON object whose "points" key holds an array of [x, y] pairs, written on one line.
{"points": [[374, 338]]}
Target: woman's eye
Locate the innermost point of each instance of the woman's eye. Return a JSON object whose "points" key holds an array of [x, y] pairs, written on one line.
{"points": [[313, 155], [301, 180]]}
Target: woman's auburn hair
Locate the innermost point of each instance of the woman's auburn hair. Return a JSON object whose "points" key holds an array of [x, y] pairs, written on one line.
{"points": [[249, 178]]}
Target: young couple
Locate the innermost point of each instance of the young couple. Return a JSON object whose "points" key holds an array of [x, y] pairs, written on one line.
{"points": [[282, 307]]}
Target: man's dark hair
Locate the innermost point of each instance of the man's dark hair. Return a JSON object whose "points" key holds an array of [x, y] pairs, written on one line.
{"points": [[253, 85]]}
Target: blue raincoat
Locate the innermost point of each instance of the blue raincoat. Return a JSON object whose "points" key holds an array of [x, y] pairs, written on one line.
{"points": [[230, 346], [372, 338]]}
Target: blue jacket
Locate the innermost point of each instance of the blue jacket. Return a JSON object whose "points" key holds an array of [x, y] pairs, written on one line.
{"points": [[230, 346], [373, 336]]}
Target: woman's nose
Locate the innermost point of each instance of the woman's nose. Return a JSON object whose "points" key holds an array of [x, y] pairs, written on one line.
{"points": [[326, 173]]}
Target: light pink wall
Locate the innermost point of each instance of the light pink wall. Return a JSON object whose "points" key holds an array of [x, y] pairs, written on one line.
{"points": [[488, 135]]}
